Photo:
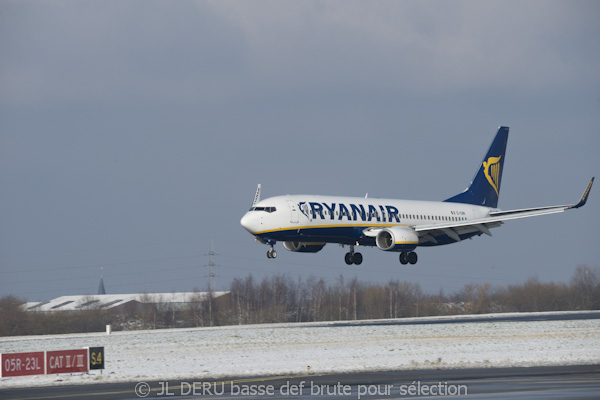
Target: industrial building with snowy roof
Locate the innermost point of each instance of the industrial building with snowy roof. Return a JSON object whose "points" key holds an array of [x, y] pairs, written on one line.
{"points": [[109, 301]]}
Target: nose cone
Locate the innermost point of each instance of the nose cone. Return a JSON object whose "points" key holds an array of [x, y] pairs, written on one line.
{"points": [[247, 222]]}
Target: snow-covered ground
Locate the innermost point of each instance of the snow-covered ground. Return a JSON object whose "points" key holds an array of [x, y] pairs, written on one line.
{"points": [[288, 349]]}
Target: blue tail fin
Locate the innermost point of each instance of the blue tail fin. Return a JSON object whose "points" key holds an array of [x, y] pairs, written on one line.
{"points": [[485, 187]]}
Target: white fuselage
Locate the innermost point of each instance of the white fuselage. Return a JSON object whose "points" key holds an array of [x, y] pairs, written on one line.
{"points": [[346, 220]]}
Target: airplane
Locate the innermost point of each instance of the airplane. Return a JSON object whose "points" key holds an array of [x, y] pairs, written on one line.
{"points": [[306, 223]]}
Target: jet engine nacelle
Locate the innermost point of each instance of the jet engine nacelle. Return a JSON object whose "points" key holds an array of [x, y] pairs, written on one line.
{"points": [[300, 247], [397, 239]]}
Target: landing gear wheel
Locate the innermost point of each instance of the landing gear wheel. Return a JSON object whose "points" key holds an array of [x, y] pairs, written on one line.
{"points": [[271, 253], [412, 257], [403, 258], [352, 257], [357, 258], [348, 258], [408, 258]]}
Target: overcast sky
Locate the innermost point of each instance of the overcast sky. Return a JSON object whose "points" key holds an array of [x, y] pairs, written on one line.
{"points": [[131, 132]]}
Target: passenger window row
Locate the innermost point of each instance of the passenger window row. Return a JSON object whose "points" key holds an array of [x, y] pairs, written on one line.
{"points": [[404, 216]]}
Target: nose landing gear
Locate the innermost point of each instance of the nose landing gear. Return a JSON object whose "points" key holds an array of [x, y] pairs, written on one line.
{"points": [[271, 253]]}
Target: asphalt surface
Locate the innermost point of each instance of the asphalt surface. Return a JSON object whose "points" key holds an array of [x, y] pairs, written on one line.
{"points": [[476, 319], [563, 382]]}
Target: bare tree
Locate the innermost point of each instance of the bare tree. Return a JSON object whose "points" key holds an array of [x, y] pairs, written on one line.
{"points": [[14, 320], [148, 311], [586, 285]]}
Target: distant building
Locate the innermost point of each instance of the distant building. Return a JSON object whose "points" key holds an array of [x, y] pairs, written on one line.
{"points": [[110, 301]]}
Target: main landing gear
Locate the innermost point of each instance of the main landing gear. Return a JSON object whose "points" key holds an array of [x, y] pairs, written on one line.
{"points": [[353, 258], [408, 257], [271, 253]]}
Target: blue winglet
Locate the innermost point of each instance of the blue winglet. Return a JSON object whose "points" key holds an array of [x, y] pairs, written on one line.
{"points": [[585, 196]]}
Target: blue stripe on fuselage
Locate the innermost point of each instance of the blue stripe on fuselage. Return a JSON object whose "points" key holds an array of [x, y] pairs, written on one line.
{"points": [[345, 235]]}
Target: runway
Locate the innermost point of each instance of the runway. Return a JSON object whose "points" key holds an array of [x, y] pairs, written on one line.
{"points": [[562, 382], [471, 319]]}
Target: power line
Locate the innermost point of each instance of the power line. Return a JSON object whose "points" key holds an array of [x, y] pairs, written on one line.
{"points": [[211, 265]]}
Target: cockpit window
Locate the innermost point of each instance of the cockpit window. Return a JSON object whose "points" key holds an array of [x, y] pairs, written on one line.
{"points": [[267, 209]]}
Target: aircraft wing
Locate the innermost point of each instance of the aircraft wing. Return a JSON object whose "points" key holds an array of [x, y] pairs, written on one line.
{"points": [[495, 218]]}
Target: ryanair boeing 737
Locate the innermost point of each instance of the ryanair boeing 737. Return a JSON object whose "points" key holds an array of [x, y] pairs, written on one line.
{"points": [[306, 223]]}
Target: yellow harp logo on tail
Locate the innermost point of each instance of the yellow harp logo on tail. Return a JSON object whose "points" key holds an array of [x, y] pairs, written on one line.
{"points": [[491, 169]]}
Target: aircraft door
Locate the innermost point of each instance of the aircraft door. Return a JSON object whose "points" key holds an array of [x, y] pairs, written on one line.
{"points": [[294, 217]]}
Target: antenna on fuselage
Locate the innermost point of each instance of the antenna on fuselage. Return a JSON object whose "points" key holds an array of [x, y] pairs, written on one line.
{"points": [[367, 196]]}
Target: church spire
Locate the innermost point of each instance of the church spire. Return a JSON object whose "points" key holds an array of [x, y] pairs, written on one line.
{"points": [[101, 289]]}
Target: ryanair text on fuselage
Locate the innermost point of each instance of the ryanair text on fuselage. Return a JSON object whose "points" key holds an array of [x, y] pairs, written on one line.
{"points": [[354, 212]]}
